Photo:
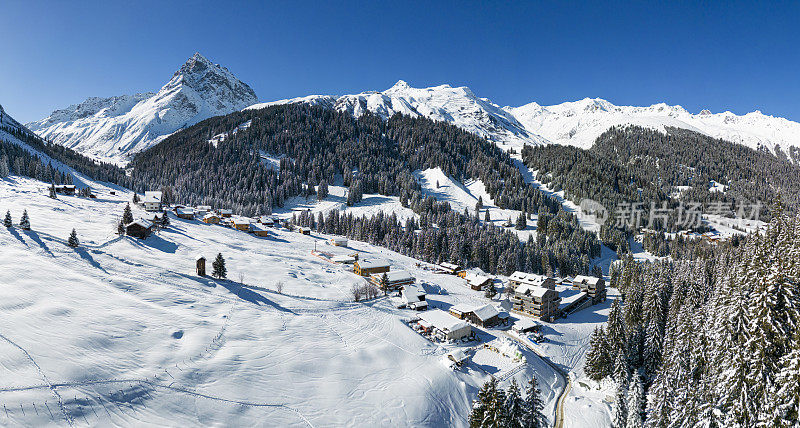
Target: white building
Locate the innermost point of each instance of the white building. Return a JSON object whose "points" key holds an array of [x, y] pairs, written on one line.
{"points": [[443, 326], [531, 279], [152, 201], [414, 297]]}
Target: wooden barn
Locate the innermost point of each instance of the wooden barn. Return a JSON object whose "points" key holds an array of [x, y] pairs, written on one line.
{"points": [[259, 229], [211, 218], [139, 228]]}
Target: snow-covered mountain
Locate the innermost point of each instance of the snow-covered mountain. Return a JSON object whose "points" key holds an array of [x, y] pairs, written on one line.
{"points": [[112, 129], [579, 123], [459, 106], [576, 123]]}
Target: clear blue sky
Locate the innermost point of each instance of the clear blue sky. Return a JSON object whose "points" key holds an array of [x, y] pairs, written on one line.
{"points": [[716, 55]]}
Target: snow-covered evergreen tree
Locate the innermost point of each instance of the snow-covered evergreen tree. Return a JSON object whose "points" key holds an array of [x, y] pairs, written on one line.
{"points": [[25, 222], [73, 239], [515, 406], [7, 222], [218, 266], [534, 406], [635, 402]]}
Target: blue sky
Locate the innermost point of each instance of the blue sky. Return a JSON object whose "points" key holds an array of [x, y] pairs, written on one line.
{"points": [[716, 55]]}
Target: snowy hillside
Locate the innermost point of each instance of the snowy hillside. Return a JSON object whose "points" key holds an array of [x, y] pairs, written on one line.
{"points": [[112, 129], [576, 123], [121, 331], [458, 106]]}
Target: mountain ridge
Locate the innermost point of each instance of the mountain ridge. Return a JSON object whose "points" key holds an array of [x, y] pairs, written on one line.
{"points": [[112, 129]]}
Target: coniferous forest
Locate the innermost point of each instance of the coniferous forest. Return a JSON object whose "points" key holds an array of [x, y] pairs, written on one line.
{"points": [[713, 336]]}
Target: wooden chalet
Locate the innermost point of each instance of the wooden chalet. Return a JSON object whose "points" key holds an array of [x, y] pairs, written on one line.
{"points": [[211, 218], [139, 228], [152, 201], [478, 282], [442, 326], [338, 241], [185, 213], [225, 213], [367, 268], [449, 268], [485, 316], [241, 223], [394, 279], [66, 189], [259, 229]]}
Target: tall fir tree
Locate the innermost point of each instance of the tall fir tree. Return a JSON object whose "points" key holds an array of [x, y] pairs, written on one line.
{"points": [[218, 267], [7, 222], [25, 222]]}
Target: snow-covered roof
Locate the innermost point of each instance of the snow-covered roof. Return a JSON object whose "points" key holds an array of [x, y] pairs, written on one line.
{"points": [[476, 279], [533, 290], [266, 219], [527, 278], [141, 222], [241, 220], [204, 208], [393, 276], [343, 259], [524, 324], [210, 215], [224, 211], [451, 266], [364, 264], [152, 197], [185, 211], [586, 279], [256, 227], [457, 355], [338, 239], [442, 320], [461, 308], [485, 312]]}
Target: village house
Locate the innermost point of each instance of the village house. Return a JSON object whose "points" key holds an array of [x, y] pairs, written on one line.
{"points": [[540, 302], [449, 268], [185, 213], [338, 241], [394, 280], [241, 223], [225, 213], [65, 189], [304, 230], [211, 218], [444, 327], [595, 287], [367, 268], [266, 220], [414, 297], [140, 228], [522, 278], [152, 201], [259, 229], [478, 282], [482, 315]]}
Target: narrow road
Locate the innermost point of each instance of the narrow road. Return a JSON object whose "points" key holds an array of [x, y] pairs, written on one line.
{"points": [[559, 422]]}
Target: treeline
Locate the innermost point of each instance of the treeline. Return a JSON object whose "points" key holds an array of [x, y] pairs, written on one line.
{"points": [[715, 340], [442, 234], [14, 160]]}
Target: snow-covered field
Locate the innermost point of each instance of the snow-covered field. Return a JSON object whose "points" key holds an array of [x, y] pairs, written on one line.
{"points": [[121, 331]]}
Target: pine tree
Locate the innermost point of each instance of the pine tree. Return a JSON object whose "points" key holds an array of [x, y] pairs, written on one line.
{"points": [[534, 406], [487, 218], [25, 222], [7, 222], [521, 222], [515, 407], [73, 239], [598, 364], [165, 220], [53, 191], [384, 283], [127, 215], [484, 408], [619, 409], [490, 291], [135, 198], [322, 191], [635, 403], [219, 269]]}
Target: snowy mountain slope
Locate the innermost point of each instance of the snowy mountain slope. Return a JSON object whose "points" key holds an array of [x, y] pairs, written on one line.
{"points": [[459, 106], [576, 123], [8, 123], [112, 129], [579, 123], [122, 332]]}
